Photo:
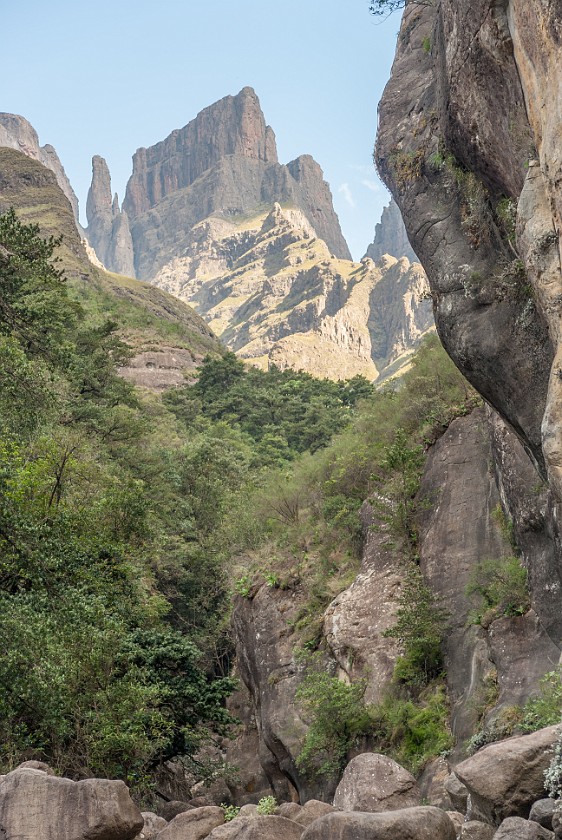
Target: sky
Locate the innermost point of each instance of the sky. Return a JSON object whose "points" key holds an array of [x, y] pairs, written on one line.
{"points": [[110, 76]]}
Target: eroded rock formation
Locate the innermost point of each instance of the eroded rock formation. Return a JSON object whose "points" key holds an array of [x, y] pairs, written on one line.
{"points": [[274, 293], [390, 236], [469, 145], [108, 226]]}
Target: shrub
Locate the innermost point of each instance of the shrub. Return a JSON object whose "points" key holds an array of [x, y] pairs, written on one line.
{"points": [[267, 806], [419, 628], [339, 718], [500, 587], [230, 811], [546, 709]]}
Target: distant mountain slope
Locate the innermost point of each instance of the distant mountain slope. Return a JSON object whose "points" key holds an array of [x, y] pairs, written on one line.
{"points": [[17, 133], [168, 337], [390, 236], [271, 289]]}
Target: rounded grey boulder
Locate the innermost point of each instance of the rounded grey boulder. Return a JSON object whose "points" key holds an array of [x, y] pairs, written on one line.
{"points": [[372, 782]]}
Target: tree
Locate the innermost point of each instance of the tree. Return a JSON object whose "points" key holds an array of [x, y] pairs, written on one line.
{"points": [[34, 304], [381, 8]]}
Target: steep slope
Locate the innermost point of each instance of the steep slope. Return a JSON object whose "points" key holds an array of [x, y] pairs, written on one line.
{"points": [[17, 133], [390, 236], [273, 292], [167, 336], [469, 146], [224, 161]]}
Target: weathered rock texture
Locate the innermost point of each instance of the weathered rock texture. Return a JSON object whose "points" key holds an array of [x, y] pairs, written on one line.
{"points": [[108, 226], [515, 828], [274, 293], [469, 143], [38, 806], [390, 236], [193, 825], [375, 783], [505, 779], [422, 823], [258, 828], [17, 133], [223, 162]]}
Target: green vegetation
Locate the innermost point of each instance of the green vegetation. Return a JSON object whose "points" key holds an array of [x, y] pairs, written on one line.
{"points": [[546, 709], [420, 626], [104, 672], [338, 718], [230, 812], [267, 806], [499, 587]]}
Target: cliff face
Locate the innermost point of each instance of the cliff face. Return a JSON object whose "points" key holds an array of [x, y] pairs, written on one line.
{"points": [[223, 162], [274, 293], [390, 236], [108, 226], [469, 146], [17, 133]]}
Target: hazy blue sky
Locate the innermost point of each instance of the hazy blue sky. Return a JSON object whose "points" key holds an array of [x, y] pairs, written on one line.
{"points": [[109, 76]]}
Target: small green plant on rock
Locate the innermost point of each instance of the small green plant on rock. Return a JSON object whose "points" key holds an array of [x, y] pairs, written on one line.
{"points": [[500, 589], [230, 811], [544, 710], [267, 806]]}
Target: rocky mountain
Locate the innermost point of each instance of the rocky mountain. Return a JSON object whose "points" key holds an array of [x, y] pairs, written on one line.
{"points": [[168, 337], [17, 133], [211, 216], [275, 294], [224, 161], [390, 236]]}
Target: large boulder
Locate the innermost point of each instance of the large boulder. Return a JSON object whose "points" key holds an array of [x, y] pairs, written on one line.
{"points": [[374, 782], [38, 806], [193, 825], [505, 779], [516, 828], [258, 828], [421, 823], [311, 811]]}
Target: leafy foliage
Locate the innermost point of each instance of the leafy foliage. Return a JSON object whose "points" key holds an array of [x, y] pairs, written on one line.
{"points": [[339, 718], [420, 626], [500, 588]]}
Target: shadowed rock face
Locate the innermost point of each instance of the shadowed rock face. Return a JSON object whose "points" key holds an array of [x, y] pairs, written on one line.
{"points": [[453, 143], [469, 141], [108, 226]]}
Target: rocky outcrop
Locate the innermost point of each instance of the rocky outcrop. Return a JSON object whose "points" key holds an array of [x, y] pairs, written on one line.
{"points": [[35, 805], [469, 145], [17, 133], [258, 828], [505, 779], [271, 289], [223, 162], [375, 783], [390, 236], [195, 824], [452, 146], [108, 227]]}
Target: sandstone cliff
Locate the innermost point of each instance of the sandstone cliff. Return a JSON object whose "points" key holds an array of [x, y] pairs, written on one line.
{"points": [[17, 133], [274, 293], [390, 236], [468, 144]]}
